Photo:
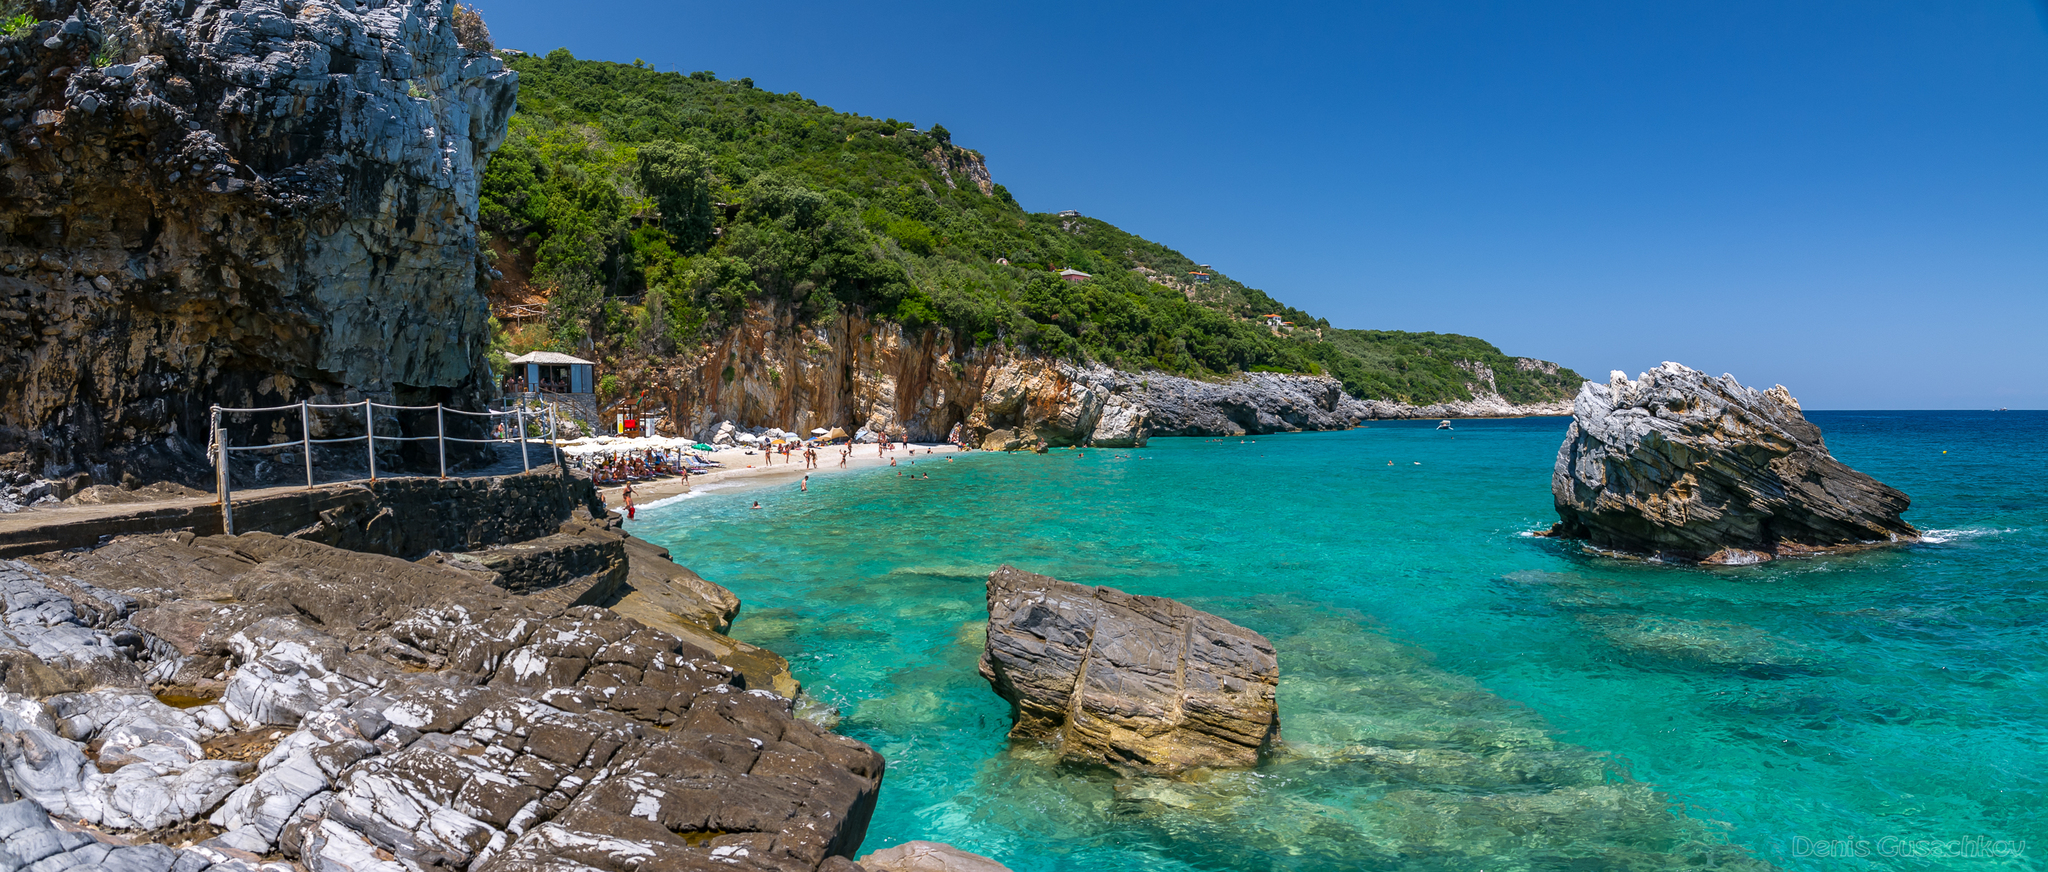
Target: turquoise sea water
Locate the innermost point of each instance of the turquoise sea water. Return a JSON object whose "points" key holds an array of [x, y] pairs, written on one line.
{"points": [[1455, 695]]}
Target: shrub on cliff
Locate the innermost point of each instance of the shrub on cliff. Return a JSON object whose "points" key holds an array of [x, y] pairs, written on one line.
{"points": [[470, 31]]}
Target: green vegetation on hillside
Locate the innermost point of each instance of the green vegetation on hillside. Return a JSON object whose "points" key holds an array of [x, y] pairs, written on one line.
{"points": [[656, 207]]}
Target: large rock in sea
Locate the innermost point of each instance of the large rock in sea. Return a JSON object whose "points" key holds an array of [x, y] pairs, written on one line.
{"points": [[243, 203], [1683, 466], [1138, 683]]}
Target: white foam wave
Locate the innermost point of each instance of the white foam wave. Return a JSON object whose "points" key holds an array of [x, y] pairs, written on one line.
{"points": [[1939, 537], [687, 495]]}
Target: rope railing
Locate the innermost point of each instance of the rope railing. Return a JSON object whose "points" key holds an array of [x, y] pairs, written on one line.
{"points": [[220, 449]]}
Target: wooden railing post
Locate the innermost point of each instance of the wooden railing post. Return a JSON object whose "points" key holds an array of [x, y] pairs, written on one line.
{"points": [[306, 441], [220, 472], [441, 437], [554, 436], [524, 465], [370, 437]]}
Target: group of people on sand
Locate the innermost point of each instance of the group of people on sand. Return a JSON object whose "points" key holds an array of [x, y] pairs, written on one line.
{"points": [[809, 454], [629, 466]]}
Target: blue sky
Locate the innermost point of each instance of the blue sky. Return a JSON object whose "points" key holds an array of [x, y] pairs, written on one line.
{"points": [[1849, 198]]}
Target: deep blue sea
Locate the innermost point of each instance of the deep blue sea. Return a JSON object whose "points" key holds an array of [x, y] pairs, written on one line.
{"points": [[1455, 694]]}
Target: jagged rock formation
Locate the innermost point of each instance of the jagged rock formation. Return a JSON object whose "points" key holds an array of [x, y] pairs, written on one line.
{"points": [[1140, 683], [239, 203], [363, 712], [1252, 403], [960, 166], [1689, 467]]}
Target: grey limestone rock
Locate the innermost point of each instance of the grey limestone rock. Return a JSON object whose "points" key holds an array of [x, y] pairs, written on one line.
{"points": [[1680, 465], [1139, 683], [1253, 403], [420, 719]]}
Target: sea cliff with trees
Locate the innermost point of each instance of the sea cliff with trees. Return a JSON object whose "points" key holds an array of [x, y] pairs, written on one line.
{"points": [[725, 251]]}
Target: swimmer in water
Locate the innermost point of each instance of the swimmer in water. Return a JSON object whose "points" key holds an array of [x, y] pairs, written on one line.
{"points": [[757, 504]]}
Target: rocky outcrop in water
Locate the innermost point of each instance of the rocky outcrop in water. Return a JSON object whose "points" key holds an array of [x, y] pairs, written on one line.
{"points": [[1389, 758], [1138, 683], [1684, 466], [239, 203]]}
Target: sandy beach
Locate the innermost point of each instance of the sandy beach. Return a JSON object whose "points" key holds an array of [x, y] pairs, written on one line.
{"points": [[739, 468]]}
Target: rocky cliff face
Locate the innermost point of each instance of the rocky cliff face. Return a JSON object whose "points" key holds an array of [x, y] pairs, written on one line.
{"points": [[857, 373], [243, 203], [1682, 465]]}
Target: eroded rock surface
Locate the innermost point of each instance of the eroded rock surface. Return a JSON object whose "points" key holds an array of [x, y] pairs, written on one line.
{"points": [[1685, 466], [1133, 682], [239, 203], [361, 712]]}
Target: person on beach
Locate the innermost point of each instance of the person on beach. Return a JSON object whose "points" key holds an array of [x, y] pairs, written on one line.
{"points": [[628, 494]]}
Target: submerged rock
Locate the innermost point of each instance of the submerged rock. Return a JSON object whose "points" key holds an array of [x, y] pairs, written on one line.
{"points": [[928, 857], [1684, 466], [1702, 643], [1140, 683]]}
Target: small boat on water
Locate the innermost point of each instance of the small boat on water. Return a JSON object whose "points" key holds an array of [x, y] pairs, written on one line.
{"points": [[1443, 425]]}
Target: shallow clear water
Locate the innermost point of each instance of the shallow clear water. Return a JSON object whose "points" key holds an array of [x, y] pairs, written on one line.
{"points": [[1778, 710]]}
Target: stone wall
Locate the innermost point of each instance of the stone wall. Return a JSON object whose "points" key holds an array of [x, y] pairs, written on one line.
{"points": [[403, 517], [408, 517]]}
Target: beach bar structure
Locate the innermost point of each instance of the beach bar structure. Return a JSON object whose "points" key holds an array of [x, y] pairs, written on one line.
{"points": [[554, 373]]}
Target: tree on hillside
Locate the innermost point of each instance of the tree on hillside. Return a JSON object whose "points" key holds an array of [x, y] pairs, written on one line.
{"points": [[678, 177]]}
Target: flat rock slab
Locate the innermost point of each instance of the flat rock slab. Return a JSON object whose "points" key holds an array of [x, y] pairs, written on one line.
{"points": [[1137, 683], [1683, 466]]}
